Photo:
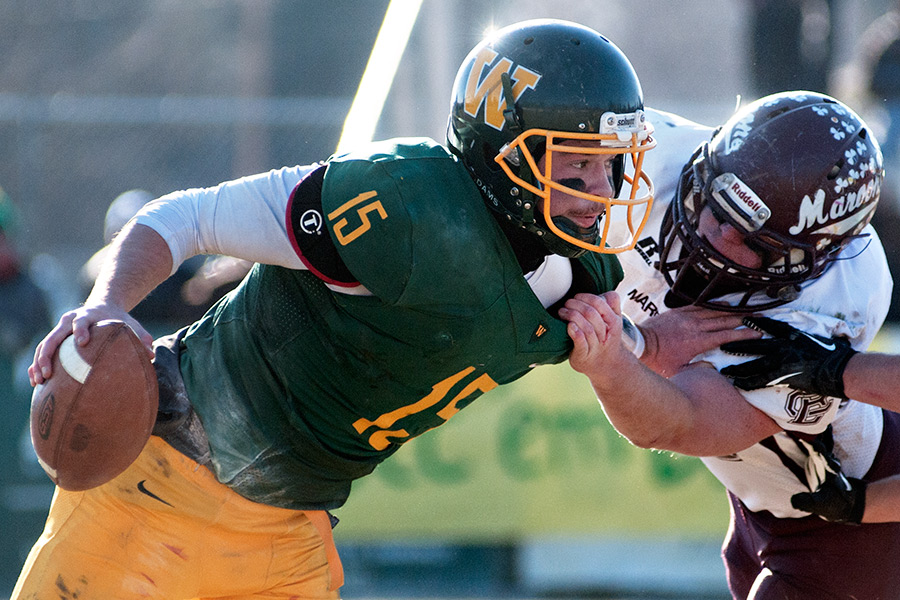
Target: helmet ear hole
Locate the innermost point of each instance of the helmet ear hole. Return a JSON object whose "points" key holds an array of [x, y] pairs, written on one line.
{"points": [[488, 154], [835, 170]]}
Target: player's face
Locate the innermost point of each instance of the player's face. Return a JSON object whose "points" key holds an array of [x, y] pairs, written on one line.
{"points": [[588, 173], [727, 240]]}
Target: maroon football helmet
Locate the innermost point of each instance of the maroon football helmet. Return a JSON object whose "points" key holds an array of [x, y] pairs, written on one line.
{"points": [[799, 174]]}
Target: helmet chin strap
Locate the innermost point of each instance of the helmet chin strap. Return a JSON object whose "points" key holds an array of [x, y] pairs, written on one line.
{"points": [[558, 245], [534, 222]]}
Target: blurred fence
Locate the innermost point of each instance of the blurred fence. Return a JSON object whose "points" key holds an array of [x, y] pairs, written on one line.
{"points": [[63, 158]]}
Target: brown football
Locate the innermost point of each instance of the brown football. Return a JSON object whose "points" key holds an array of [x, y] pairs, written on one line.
{"points": [[94, 415]]}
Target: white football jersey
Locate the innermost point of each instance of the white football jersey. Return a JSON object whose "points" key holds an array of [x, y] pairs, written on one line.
{"points": [[850, 299]]}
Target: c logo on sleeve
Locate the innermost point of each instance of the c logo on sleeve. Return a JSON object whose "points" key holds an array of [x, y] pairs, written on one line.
{"points": [[805, 408]]}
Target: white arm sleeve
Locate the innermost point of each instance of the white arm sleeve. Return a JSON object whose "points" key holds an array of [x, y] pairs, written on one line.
{"points": [[245, 218]]}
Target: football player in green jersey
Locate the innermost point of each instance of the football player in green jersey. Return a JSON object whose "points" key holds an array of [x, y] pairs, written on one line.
{"points": [[393, 285]]}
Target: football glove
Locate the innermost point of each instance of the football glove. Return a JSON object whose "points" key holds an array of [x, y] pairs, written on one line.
{"points": [[836, 497], [839, 499], [791, 357]]}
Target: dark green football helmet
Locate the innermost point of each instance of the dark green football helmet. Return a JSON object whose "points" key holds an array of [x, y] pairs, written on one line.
{"points": [[543, 87]]}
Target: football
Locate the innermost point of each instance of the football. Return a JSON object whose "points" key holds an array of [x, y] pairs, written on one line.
{"points": [[93, 416]]}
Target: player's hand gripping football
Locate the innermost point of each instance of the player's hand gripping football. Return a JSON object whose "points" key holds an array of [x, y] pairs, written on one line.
{"points": [[791, 357], [77, 322]]}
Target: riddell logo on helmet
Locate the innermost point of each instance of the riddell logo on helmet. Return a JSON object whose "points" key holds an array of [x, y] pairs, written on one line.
{"points": [[746, 196], [487, 91], [745, 204]]}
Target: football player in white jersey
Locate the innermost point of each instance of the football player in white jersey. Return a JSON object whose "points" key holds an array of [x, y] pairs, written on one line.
{"points": [[769, 215], [831, 367]]}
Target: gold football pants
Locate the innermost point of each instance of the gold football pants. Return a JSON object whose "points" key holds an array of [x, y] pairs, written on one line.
{"points": [[166, 529]]}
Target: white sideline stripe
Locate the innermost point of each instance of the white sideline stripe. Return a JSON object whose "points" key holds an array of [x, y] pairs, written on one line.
{"points": [[77, 368]]}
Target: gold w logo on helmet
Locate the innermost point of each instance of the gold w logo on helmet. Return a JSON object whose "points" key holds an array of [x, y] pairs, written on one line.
{"points": [[487, 91]]}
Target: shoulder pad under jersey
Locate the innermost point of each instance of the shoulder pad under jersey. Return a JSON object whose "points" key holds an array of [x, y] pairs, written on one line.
{"points": [[596, 273], [411, 226]]}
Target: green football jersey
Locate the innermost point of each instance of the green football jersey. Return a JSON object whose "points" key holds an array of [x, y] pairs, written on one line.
{"points": [[301, 389]]}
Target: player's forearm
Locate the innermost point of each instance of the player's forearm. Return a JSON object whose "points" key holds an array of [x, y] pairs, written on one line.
{"points": [[682, 414], [874, 378], [244, 218], [883, 501], [138, 261], [642, 406]]}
